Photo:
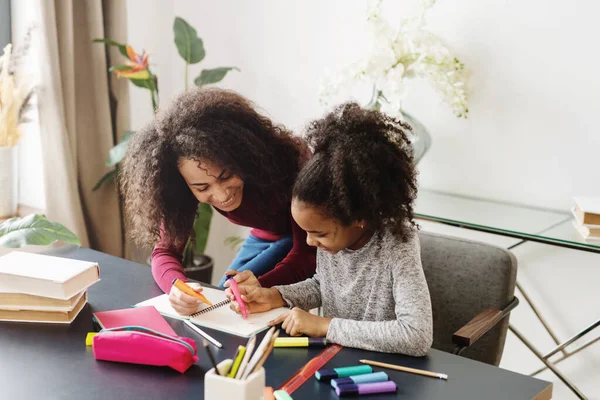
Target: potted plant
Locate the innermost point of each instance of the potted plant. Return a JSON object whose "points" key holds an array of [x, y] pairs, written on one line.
{"points": [[137, 69], [34, 229], [397, 55]]}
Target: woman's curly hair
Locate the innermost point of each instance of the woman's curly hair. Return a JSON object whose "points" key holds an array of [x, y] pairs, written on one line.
{"points": [[215, 125], [362, 169]]}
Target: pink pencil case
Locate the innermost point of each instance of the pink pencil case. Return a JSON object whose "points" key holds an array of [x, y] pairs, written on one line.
{"points": [[139, 345]]}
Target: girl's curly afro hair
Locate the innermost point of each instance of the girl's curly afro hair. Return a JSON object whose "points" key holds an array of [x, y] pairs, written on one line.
{"points": [[362, 169]]}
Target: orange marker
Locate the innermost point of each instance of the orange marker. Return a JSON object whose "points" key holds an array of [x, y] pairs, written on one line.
{"points": [[181, 285]]}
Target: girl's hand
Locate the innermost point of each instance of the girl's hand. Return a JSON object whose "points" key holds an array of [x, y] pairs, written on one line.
{"points": [[244, 278], [183, 303], [299, 322], [257, 299]]}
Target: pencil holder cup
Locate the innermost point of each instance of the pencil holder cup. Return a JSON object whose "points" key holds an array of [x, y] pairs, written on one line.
{"points": [[219, 387]]}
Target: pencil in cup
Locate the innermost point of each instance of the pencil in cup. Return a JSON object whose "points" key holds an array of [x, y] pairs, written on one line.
{"points": [[254, 359], [218, 387], [405, 369]]}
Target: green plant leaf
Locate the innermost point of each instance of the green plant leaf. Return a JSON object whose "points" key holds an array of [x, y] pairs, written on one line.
{"points": [[122, 47], [143, 83], [189, 45], [202, 226], [116, 154], [33, 229], [208, 76], [120, 68], [108, 177]]}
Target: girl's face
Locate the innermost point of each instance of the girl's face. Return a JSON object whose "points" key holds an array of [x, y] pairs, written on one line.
{"points": [[212, 184], [326, 233]]}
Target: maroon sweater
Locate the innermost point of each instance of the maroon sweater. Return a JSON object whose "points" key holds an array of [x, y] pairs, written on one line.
{"points": [[297, 266]]}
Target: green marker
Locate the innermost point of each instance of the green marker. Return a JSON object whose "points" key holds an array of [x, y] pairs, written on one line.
{"points": [[325, 375], [282, 395]]}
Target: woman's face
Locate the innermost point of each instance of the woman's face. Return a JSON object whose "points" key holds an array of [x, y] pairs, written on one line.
{"points": [[326, 233], [212, 184]]}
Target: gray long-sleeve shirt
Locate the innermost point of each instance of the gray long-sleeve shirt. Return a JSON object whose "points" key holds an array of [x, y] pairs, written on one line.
{"points": [[377, 296]]}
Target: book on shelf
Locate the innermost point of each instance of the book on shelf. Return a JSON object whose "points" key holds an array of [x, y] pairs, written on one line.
{"points": [[587, 232], [64, 317], [46, 276], [587, 210], [21, 301]]}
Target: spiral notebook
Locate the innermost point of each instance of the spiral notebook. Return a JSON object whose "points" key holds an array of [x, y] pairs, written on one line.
{"points": [[218, 316]]}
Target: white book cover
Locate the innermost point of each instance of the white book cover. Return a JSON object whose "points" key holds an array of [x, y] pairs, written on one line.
{"points": [[588, 204], [578, 222], [219, 316], [43, 275], [584, 231]]}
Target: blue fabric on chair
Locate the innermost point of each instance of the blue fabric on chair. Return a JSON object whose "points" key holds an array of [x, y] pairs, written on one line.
{"points": [[260, 256]]}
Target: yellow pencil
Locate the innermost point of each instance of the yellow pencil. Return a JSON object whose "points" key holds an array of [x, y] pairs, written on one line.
{"points": [[405, 369]]}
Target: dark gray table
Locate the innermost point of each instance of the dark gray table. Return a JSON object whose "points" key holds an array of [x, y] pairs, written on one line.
{"points": [[52, 362]]}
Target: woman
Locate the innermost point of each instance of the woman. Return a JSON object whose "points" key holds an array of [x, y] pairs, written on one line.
{"points": [[212, 146]]}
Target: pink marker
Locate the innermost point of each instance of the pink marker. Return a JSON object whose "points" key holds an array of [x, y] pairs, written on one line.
{"points": [[238, 297]]}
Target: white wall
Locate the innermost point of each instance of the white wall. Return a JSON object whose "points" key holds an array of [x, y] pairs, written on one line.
{"points": [[530, 138]]}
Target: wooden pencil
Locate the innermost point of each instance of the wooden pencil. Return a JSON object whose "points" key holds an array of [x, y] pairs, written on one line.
{"points": [[267, 352], [405, 369]]}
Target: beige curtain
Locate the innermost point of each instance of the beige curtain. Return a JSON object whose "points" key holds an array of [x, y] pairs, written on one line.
{"points": [[76, 120]]}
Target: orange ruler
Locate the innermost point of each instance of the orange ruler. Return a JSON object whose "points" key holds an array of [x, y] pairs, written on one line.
{"points": [[308, 371]]}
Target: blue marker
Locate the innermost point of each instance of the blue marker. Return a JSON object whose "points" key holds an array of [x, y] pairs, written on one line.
{"points": [[366, 378]]}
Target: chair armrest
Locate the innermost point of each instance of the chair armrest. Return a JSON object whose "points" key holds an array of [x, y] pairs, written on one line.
{"points": [[483, 322]]}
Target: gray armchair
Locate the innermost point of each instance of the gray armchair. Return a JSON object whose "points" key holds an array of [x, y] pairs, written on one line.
{"points": [[472, 287]]}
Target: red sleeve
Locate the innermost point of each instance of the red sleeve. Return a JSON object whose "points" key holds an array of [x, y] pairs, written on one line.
{"points": [[166, 264], [298, 265]]}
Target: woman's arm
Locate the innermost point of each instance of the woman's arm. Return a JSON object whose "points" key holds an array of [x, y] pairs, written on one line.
{"points": [[166, 264], [411, 332], [297, 266]]}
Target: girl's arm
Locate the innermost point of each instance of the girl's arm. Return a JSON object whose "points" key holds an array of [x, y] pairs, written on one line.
{"points": [[411, 332], [297, 266], [305, 295], [166, 264]]}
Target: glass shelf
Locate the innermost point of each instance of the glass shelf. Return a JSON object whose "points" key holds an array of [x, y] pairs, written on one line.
{"points": [[522, 222]]}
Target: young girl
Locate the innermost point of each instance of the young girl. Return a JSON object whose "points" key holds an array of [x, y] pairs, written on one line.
{"points": [[212, 146], [354, 199]]}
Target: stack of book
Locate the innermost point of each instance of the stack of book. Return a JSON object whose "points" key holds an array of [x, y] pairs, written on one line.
{"points": [[587, 217], [41, 288]]}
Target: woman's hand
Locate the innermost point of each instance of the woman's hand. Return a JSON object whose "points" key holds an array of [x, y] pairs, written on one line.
{"points": [[183, 303], [244, 278], [257, 299], [299, 322]]}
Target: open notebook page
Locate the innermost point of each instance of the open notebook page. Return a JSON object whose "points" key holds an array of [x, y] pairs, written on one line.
{"points": [[220, 317]]}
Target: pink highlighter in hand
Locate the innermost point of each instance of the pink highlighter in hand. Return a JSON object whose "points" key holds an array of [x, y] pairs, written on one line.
{"points": [[238, 297]]}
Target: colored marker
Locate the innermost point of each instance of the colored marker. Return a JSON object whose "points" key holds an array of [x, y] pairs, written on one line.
{"points": [[235, 289], [300, 342], [237, 360], [249, 350], [282, 395], [366, 388], [181, 285], [356, 379], [327, 375], [89, 339]]}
